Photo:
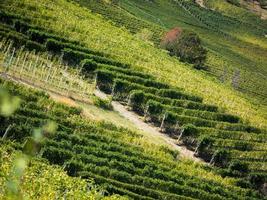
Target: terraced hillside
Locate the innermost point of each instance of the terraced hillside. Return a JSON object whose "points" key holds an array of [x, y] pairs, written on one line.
{"points": [[44, 47], [107, 154], [239, 31], [142, 56]]}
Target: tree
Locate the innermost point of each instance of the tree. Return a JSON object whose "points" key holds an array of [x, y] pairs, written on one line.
{"points": [[186, 45]]}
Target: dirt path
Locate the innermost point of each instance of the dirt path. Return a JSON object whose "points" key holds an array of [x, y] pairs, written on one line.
{"points": [[153, 131], [131, 116]]}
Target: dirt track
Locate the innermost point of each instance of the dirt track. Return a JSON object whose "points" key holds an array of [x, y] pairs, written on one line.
{"points": [[141, 125]]}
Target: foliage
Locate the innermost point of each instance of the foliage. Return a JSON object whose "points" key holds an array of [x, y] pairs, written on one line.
{"points": [[186, 45], [189, 130], [103, 103], [49, 181], [234, 2], [116, 158], [142, 57], [8, 103], [114, 167], [238, 168]]}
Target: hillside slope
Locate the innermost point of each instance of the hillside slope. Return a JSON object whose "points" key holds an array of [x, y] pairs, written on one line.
{"points": [[141, 55], [119, 160], [64, 48], [231, 56]]}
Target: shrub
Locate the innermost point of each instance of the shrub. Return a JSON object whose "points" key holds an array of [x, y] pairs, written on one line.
{"points": [[204, 145], [243, 145], [238, 168], [103, 103], [257, 179], [190, 130], [17, 38], [73, 167], [8, 18], [136, 100], [174, 94], [31, 45], [56, 156], [112, 74], [51, 45], [41, 36], [104, 80], [88, 65], [22, 26], [170, 38], [234, 2], [194, 105], [20, 40], [237, 127], [5, 28], [228, 118], [121, 89], [154, 110], [74, 57], [170, 120], [220, 158]]}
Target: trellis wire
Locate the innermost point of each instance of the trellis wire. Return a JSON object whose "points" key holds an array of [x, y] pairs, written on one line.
{"points": [[44, 71]]}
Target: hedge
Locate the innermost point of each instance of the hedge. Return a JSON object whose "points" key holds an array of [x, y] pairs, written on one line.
{"points": [[88, 65], [195, 113], [125, 71], [74, 57], [20, 40], [122, 89], [56, 156], [171, 118], [8, 18], [104, 80], [194, 105], [106, 84], [41, 36], [175, 94], [6, 28], [171, 102], [190, 130], [22, 26], [154, 110]]}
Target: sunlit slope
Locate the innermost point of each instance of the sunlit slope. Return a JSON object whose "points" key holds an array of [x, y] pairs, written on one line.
{"points": [[246, 10], [97, 33], [118, 159], [40, 180], [236, 43], [243, 48]]}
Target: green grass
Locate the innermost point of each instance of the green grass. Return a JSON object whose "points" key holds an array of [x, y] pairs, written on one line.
{"points": [[49, 181], [126, 48], [93, 149], [245, 50], [226, 56], [121, 160]]}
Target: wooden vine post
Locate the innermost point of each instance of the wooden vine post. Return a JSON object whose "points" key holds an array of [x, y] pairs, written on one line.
{"points": [[163, 122]]}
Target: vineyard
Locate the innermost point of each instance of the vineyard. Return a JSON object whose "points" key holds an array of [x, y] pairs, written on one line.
{"points": [[220, 125], [223, 60], [97, 150]]}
